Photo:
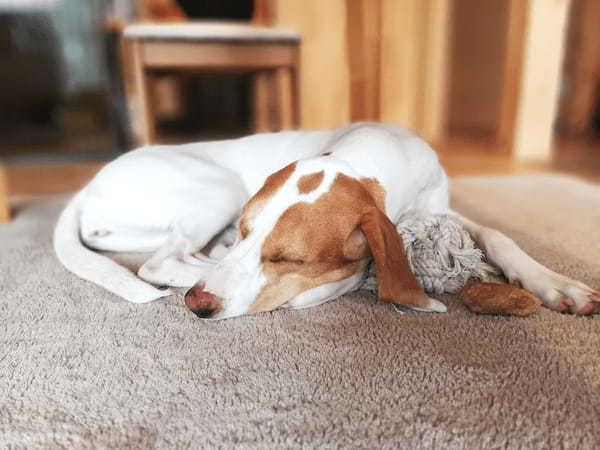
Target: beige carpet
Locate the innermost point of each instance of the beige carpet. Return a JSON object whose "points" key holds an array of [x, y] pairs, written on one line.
{"points": [[81, 369]]}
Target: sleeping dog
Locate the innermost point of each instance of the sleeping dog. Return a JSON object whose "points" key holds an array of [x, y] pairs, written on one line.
{"points": [[312, 209]]}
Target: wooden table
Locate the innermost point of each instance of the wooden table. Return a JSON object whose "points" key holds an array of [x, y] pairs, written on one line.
{"points": [[271, 54]]}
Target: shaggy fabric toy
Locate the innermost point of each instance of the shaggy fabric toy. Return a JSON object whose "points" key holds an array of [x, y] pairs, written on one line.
{"points": [[441, 253]]}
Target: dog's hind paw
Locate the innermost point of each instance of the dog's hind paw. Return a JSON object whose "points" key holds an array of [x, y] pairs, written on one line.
{"points": [[563, 294]]}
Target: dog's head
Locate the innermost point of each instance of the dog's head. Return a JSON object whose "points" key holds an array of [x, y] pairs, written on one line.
{"points": [[305, 238]]}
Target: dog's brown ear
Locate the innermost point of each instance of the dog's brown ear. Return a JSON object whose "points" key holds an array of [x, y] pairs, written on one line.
{"points": [[396, 282]]}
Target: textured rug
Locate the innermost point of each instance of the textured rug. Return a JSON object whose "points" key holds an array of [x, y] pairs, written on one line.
{"points": [[81, 369]]}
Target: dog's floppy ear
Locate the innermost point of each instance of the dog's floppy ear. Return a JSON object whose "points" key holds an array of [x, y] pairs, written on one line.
{"points": [[396, 282]]}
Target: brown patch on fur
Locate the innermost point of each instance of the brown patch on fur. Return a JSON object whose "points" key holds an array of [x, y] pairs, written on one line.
{"points": [[309, 183], [329, 240], [326, 154], [255, 204]]}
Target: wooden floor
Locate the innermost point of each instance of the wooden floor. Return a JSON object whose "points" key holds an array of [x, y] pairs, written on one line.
{"points": [[458, 156], [579, 158]]}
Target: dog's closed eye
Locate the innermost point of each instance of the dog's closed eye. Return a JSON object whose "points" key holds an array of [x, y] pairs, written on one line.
{"points": [[281, 259]]}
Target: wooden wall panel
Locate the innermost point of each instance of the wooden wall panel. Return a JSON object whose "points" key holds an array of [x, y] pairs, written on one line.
{"points": [[433, 107], [512, 72], [414, 65], [373, 60], [400, 58], [364, 40], [477, 51], [324, 71], [582, 68], [544, 41]]}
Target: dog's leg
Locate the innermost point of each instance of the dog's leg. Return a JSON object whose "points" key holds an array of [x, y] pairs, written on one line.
{"points": [[219, 247], [174, 265], [178, 262], [556, 291]]}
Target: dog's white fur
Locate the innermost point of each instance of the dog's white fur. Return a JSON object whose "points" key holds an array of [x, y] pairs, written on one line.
{"points": [[176, 200]]}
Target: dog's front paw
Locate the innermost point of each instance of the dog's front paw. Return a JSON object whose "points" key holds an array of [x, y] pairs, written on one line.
{"points": [[172, 272], [563, 294]]}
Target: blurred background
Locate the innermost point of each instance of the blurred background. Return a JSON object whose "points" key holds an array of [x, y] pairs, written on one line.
{"points": [[500, 86]]}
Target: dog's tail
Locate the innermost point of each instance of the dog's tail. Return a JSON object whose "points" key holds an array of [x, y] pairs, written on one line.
{"points": [[94, 267]]}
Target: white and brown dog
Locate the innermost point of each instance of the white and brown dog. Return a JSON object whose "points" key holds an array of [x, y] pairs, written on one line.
{"points": [[313, 208]]}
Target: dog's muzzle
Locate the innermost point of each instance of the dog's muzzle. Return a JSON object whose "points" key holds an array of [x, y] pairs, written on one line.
{"points": [[202, 303]]}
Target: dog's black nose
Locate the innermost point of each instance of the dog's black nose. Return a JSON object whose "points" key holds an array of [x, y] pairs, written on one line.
{"points": [[202, 303], [203, 313]]}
